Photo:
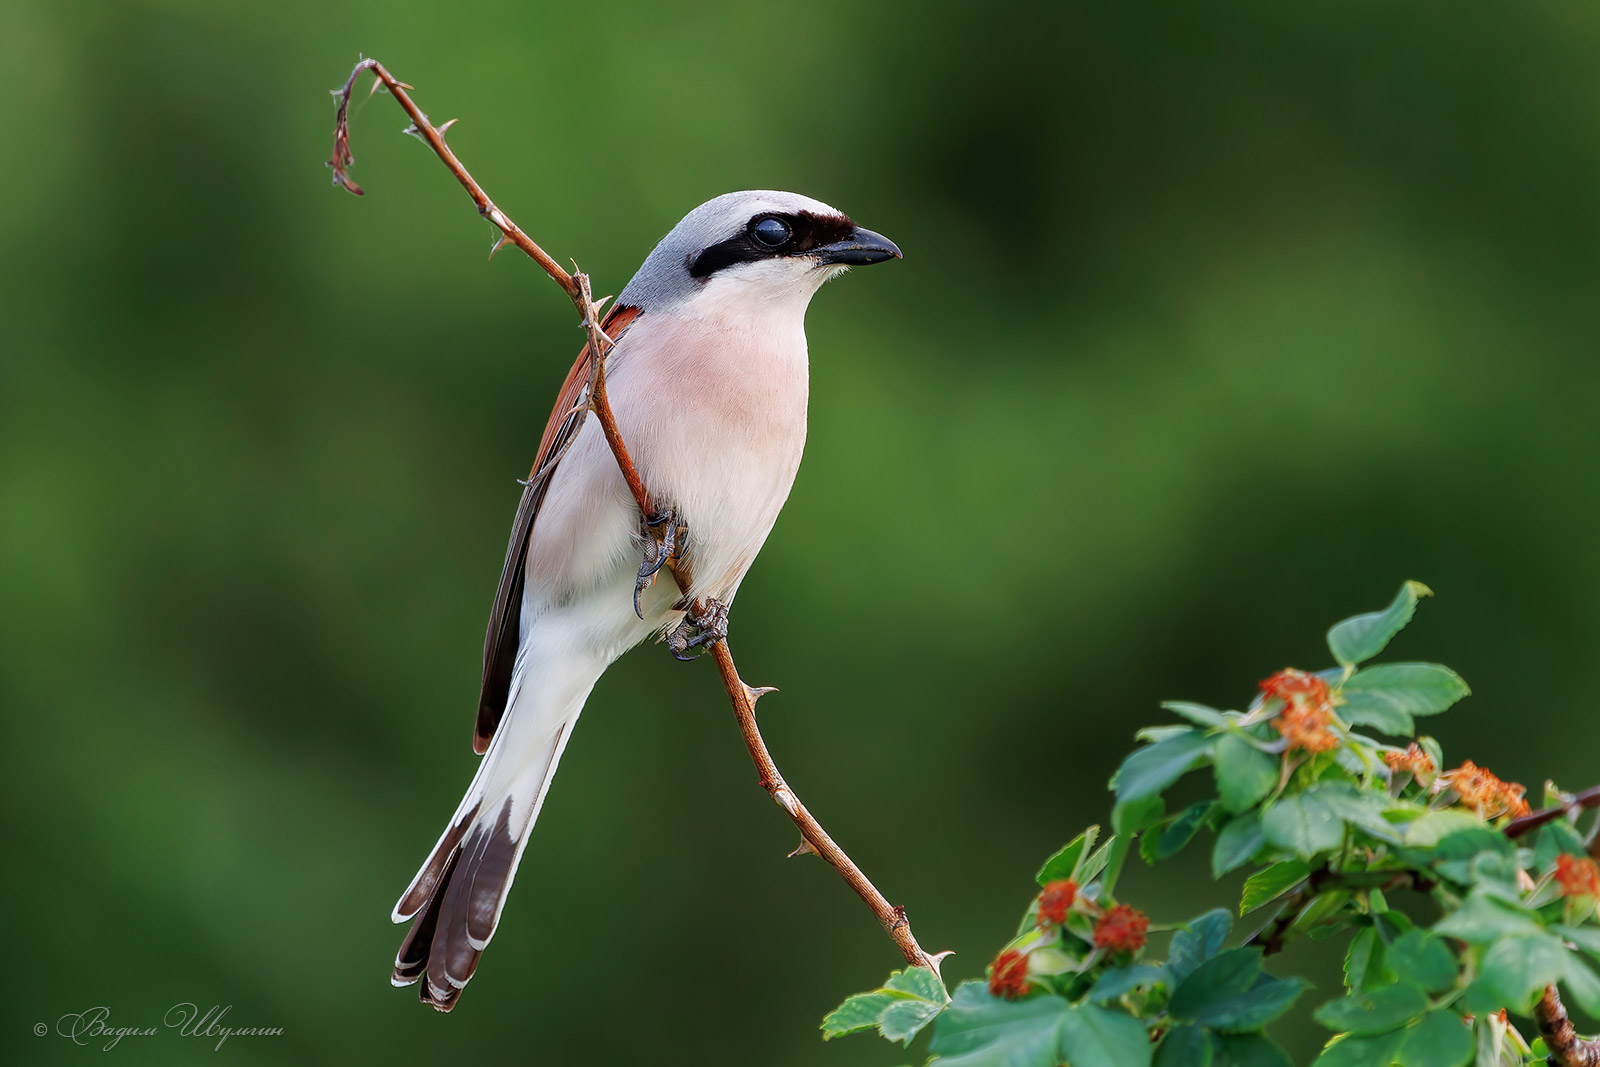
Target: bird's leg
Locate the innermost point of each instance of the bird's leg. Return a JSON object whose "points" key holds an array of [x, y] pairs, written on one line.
{"points": [[660, 532], [703, 625]]}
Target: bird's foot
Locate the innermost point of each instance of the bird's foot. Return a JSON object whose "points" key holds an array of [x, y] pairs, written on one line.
{"points": [[703, 625], [661, 534]]}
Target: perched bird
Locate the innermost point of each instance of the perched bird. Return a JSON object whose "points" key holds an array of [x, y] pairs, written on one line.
{"points": [[708, 381]]}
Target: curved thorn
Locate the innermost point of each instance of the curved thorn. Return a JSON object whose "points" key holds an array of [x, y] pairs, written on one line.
{"points": [[937, 958]]}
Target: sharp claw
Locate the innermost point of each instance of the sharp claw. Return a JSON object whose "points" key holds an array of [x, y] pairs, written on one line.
{"points": [[657, 553], [702, 626]]}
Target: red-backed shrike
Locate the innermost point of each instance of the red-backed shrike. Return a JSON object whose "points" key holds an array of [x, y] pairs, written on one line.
{"points": [[708, 381]]}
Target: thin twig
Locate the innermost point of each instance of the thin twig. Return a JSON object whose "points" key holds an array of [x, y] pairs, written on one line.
{"points": [[578, 289], [1275, 935], [1567, 1049], [813, 837], [1589, 798], [434, 137]]}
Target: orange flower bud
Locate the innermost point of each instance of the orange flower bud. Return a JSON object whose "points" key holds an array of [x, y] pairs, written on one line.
{"points": [[1008, 974], [1122, 929], [1412, 761], [1486, 794], [1578, 877], [1056, 901], [1307, 709]]}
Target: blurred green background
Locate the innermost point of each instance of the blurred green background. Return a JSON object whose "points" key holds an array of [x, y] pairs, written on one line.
{"points": [[1214, 325]]}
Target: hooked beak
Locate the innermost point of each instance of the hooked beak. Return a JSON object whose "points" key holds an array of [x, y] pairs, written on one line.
{"points": [[860, 248]]}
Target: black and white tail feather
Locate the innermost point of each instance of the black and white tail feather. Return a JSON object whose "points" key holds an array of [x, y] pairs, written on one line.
{"points": [[454, 902]]}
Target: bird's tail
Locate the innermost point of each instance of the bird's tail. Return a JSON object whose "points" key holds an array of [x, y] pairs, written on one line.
{"points": [[454, 902]]}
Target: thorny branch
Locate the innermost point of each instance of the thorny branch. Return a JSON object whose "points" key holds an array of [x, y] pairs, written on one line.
{"points": [[577, 287], [1273, 938], [1567, 1049], [1589, 798]]}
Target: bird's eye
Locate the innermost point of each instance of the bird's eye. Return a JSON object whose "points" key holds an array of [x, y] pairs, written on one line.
{"points": [[771, 232]]}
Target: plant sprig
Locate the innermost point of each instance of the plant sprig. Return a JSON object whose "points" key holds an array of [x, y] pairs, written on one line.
{"points": [[1330, 820]]}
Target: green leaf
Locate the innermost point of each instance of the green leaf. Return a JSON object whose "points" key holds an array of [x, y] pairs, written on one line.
{"points": [[1199, 714], [1480, 998], [1583, 988], [908, 1001], [1271, 883], [1152, 768], [1554, 839], [1473, 841], [1367, 709], [1349, 1051], [1519, 967], [1092, 1036], [1364, 962], [918, 982], [1441, 1039], [1250, 1050], [1255, 1007], [1090, 868], [1483, 920], [1424, 960], [1364, 636], [859, 1012], [1237, 843], [1390, 924], [1245, 774], [1497, 874], [1326, 904], [902, 1020], [1176, 834], [1064, 864], [1360, 808], [1585, 937], [1127, 819], [1304, 823], [1197, 942], [980, 1030], [1387, 696], [1429, 829], [1154, 734], [1114, 983], [1185, 1046], [1376, 1011], [1219, 978]]}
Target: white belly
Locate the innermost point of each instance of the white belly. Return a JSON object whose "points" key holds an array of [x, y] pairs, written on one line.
{"points": [[715, 419]]}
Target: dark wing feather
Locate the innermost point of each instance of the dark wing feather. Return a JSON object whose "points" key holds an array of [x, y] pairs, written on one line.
{"points": [[500, 642]]}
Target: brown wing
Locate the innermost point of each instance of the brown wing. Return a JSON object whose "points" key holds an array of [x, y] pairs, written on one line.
{"points": [[500, 642]]}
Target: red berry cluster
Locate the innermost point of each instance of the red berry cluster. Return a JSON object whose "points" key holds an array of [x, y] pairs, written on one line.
{"points": [[1117, 929]]}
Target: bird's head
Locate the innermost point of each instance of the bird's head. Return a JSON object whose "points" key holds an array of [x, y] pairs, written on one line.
{"points": [[758, 246]]}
